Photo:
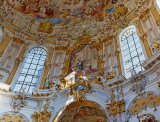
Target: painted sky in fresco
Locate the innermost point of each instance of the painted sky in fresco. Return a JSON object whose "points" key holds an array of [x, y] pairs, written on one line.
{"points": [[64, 11]]}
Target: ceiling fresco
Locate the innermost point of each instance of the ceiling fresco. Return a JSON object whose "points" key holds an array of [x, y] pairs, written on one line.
{"points": [[64, 11], [79, 112], [64, 19]]}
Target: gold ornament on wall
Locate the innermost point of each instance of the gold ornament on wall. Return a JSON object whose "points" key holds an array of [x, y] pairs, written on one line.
{"points": [[80, 88], [19, 59], [18, 101], [120, 10], [111, 75], [13, 117], [148, 118], [42, 116], [46, 27], [144, 14], [139, 82], [50, 84], [144, 101], [156, 45], [115, 107]]}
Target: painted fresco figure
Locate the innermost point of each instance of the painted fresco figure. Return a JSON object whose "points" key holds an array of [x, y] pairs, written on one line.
{"points": [[80, 64]]}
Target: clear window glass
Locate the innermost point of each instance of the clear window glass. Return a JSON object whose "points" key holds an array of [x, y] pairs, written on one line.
{"points": [[30, 72], [132, 53], [158, 3]]}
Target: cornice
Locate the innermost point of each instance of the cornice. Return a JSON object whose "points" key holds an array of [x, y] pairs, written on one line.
{"points": [[151, 61]]}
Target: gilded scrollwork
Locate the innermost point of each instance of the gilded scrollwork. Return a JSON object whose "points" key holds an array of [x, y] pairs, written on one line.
{"points": [[156, 45], [19, 59], [42, 116], [80, 88], [18, 101], [139, 82], [46, 27], [144, 14], [47, 65], [120, 10], [111, 75], [144, 101], [148, 117], [115, 107], [50, 84], [13, 117]]}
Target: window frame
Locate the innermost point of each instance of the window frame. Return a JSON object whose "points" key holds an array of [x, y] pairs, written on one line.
{"points": [[16, 76], [1, 31], [121, 54]]}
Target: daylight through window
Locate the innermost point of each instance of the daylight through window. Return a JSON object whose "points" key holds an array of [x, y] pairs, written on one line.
{"points": [[158, 3], [31, 70], [132, 53]]}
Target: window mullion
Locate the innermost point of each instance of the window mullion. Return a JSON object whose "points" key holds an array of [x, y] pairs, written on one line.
{"points": [[26, 73]]}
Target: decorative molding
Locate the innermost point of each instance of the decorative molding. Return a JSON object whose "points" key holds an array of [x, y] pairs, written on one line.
{"points": [[18, 101], [80, 88], [142, 102], [152, 60], [13, 117], [144, 13], [115, 107], [148, 117], [138, 82], [42, 116]]}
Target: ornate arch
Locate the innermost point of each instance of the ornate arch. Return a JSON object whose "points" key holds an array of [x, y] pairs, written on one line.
{"points": [[84, 110]]}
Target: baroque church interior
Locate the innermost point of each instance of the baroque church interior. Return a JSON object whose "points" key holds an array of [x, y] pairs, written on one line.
{"points": [[79, 60]]}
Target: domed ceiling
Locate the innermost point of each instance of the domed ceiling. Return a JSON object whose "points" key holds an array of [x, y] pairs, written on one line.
{"points": [[63, 19], [64, 11]]}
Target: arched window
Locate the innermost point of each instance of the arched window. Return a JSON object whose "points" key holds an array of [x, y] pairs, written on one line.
{"points": [[131, 49], [31, 70]]}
